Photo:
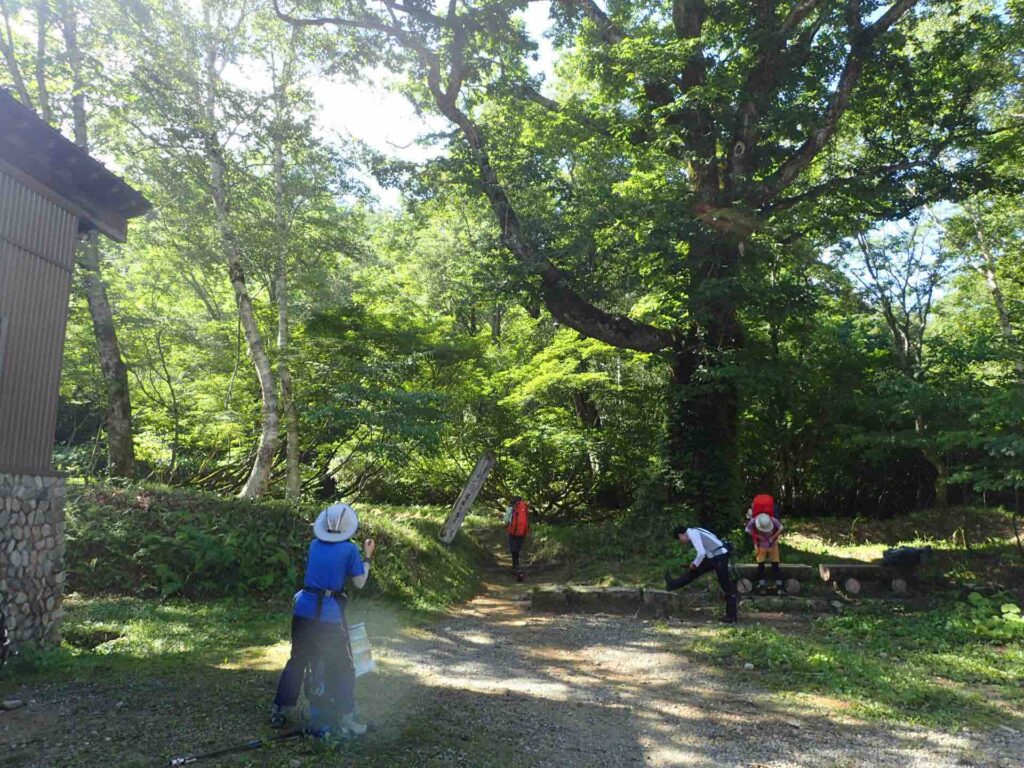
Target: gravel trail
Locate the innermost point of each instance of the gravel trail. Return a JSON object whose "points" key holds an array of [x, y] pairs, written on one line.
{"points": [[504, 687], [491, 685]]}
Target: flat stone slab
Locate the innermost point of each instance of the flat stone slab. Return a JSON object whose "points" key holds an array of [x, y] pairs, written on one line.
{"points": [[623, 599], [552, 599], [605, 599], [660, 603]]}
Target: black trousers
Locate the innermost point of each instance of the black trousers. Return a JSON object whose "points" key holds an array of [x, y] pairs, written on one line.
{"points": [[515, 546], [720, 565], [313, 641], [776, 571]]}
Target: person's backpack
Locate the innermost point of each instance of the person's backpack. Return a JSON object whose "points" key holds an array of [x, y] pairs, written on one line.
{"points": [[906, 558], [764, 504], [519, 525]]}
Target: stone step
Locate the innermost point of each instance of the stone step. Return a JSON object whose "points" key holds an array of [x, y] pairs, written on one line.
{"points": [[656, 603]]}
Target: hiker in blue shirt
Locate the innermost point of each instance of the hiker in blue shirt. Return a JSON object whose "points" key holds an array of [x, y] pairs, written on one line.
{"points": [[319, 631]]}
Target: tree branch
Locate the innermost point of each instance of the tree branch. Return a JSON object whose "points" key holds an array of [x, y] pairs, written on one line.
{"points": [[564, 303], [860, 41], [13, 68], [605, 28], [797, 14]]}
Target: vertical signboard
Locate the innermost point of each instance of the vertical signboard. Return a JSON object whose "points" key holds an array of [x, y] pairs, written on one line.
{"points": [[467, 497]]}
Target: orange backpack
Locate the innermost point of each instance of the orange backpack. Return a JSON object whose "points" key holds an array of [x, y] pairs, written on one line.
{"points": [[520, 525]]}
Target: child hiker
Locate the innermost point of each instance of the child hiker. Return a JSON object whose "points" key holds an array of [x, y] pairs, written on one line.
{"points": [[712, 555], [765, 529], [320, 638], [517, 526]]}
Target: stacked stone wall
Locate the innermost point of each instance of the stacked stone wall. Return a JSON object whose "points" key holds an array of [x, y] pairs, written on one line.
{"points": [[32, 557]]}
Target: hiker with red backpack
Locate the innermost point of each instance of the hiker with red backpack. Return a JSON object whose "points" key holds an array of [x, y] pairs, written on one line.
{"points": [[765, 529], [517, 526]]}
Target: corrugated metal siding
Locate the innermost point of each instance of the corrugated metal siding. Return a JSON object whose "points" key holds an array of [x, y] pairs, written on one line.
{"points": [[37, 244]]}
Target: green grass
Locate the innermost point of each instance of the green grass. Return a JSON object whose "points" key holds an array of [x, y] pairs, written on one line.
{"points": [[942, 661], [122, 634], [414, 577], [155, 541], [621, 550], [953, 665], [133, 552]]}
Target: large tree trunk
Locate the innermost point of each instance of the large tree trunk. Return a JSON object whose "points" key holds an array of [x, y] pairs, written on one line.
{"points": [[703, 397], [937, 463], [1005, 326], [291, 416], [118, 420], [120, 443], [282, 81], [256, 483]]}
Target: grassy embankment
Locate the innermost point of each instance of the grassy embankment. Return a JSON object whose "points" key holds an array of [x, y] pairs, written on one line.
{"points": [[166, 578], [948, 658], [167, 582]]}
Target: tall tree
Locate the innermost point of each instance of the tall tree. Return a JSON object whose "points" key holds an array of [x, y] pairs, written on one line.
{"points": [[218, 40], [283, 65], [900, 275], [719, 127], [989, 236], [186, 110]]}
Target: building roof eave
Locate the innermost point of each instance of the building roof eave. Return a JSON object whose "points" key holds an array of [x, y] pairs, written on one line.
{"points": [[102, 200]]}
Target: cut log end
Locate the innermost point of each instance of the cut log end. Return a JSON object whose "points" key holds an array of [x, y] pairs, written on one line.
{"points": [[744, 586], [899, 586], [792, 587], [852, 586], [839, 572]]}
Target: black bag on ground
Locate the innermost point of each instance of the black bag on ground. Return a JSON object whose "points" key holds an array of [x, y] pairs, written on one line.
{"points": [[905, 557]]}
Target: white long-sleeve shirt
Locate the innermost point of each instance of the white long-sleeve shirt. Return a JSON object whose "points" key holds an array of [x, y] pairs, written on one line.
{"points": [[706, 544]]}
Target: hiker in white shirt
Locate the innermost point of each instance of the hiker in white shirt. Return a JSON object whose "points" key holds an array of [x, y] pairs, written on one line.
{"points": [[712, 555]]}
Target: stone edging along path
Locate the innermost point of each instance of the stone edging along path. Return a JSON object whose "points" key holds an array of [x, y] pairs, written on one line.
{"points": [[649, 602]]}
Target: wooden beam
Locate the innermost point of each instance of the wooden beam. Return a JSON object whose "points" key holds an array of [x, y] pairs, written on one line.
{"points": [[839, 572], [789, 571]]}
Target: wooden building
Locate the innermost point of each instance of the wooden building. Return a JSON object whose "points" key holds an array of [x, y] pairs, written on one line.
{"points": [[51, 193]]}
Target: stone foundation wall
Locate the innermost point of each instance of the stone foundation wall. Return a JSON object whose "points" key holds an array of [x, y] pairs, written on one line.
{"points": [[32, 556]]}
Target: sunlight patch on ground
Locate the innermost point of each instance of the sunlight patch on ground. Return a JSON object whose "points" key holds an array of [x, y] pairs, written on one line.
{"points": [[477, 684], [661, 755], [259, 657], [476, 638]]}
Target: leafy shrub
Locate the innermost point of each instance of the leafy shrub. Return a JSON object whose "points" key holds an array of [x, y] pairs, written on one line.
{"points": [[992, 619], [159, 541]]}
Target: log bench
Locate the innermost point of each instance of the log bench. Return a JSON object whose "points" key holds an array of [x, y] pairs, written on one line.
{"points": [[852, 576], [792, 573]]}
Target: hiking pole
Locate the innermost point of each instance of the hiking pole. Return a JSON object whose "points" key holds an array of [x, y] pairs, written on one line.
{"points": [[247, 746]]}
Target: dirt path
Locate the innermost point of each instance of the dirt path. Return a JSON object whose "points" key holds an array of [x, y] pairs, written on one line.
{"points": [[491, 685], [498, 686]]}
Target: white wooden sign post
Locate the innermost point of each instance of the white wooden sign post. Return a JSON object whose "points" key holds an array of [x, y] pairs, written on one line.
{"points": [[467, 497]]}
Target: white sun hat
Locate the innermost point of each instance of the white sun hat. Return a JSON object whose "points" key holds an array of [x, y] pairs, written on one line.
{"points": [[338, 522], [763, 523]]}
